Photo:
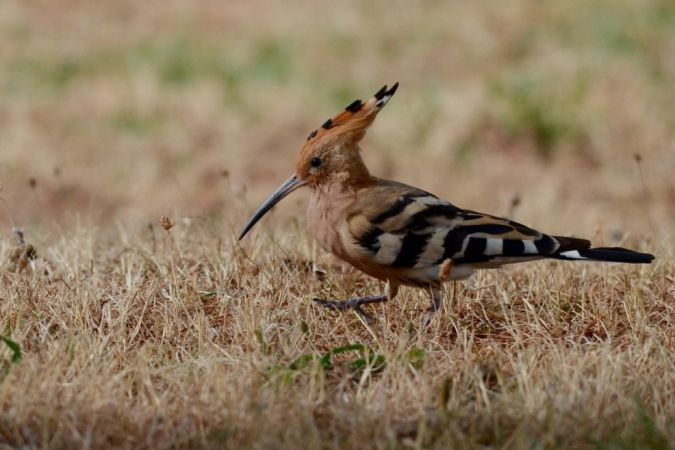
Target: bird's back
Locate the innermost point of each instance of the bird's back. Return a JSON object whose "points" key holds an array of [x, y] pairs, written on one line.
{"points": [[394, 231]]}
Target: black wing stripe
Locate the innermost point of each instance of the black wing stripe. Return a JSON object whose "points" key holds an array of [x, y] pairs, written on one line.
{"points": [[412, 246], [452, 245], [527, 231], [395, 209], [474, 252], [475, 249], [487, 229], [545, 245], [513, 247], [448, 211], [369, 240], [421, 219], [471, 215]]}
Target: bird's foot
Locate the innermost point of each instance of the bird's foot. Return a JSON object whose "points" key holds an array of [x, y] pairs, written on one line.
{"points": [[355, 304], [428, 316]]}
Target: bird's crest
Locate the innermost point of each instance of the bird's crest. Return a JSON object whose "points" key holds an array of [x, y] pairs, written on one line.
{"points": [[351, 123]]}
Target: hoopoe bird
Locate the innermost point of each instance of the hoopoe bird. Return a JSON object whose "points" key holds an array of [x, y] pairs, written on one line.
{"points": [[401, 234]]}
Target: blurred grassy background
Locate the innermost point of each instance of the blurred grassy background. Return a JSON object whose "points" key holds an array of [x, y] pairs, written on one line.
{"points": [[120, 111], [113, 113]]}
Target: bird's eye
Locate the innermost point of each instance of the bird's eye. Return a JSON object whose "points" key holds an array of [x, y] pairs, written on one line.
{"points": [[315, 162]]}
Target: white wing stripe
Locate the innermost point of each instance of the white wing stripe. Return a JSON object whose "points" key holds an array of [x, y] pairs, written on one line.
{"points": [[572, 254], [494, 246], [390, 246], [434, 249], [530, 248]]}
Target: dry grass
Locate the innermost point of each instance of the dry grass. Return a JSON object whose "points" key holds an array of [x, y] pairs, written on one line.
{"points": [[139, 334], [173, 337]]}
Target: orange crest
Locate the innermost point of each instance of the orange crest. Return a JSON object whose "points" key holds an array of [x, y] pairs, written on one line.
{"points": [[350, 124], [340, 135]]}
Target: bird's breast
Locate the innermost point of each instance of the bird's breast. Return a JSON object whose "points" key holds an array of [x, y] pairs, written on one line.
{"points": [[326, 217]]}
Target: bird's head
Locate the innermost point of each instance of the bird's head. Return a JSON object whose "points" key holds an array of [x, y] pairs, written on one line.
{"points": [[331, 152]]}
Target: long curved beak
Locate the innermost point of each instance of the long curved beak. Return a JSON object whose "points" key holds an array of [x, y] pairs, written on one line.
{"points": [[289, 186]]}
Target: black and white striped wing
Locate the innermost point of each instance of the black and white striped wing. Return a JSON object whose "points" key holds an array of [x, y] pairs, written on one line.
{"points": [[418, 230]]}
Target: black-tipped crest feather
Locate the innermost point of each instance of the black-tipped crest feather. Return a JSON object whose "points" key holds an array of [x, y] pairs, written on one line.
{"points": [[354, 106], [379, 95]]}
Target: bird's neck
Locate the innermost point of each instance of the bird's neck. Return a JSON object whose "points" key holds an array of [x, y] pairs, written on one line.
{"points": [[352, 174], [333, 196], [328, 202]]}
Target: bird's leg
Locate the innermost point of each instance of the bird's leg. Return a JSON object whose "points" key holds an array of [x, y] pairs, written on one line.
{"points": [[436, 303], [357, 302], [435, 291], [436, 299]]}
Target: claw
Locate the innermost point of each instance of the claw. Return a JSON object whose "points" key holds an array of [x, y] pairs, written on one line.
{"points": [[353, 303], [428, 316]]}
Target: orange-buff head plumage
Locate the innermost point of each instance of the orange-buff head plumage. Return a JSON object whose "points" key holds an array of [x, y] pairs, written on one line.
{"points": [[331, 152]]}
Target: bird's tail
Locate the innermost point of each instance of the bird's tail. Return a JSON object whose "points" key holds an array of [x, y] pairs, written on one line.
{"points": [[574, 249]]}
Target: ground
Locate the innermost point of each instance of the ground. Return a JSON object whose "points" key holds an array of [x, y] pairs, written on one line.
{"points": [[120, 329]]}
